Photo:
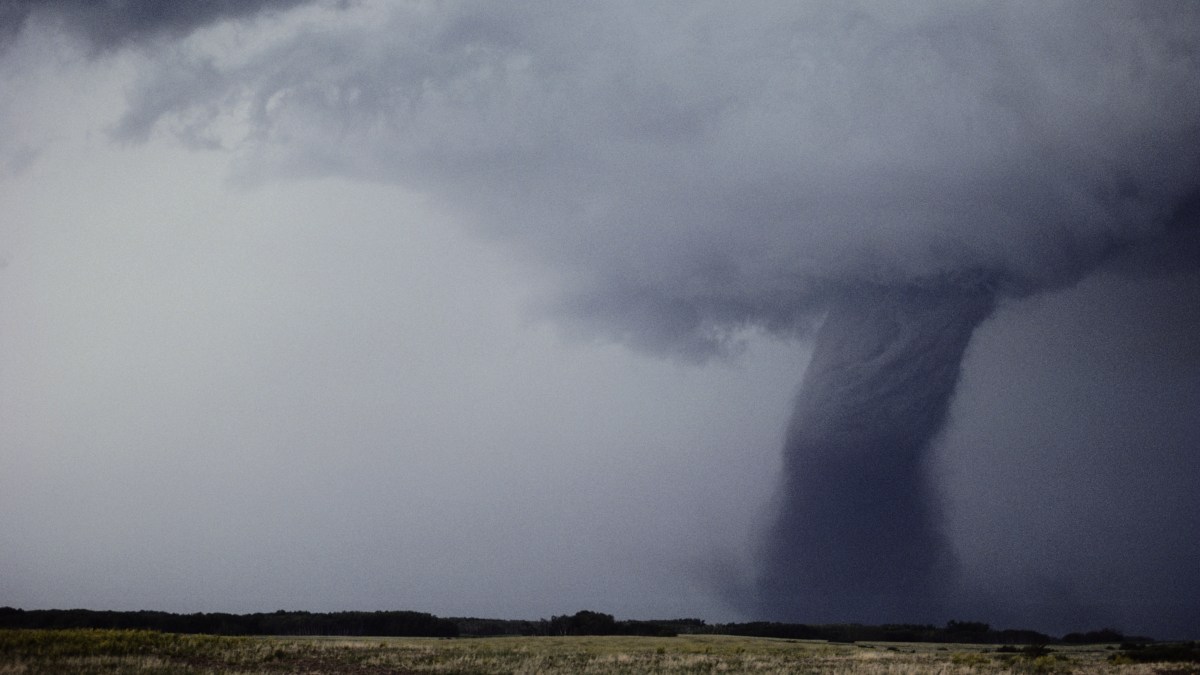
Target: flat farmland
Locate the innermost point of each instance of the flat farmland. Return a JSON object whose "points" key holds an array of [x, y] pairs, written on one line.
{"points": [[144, 652]]}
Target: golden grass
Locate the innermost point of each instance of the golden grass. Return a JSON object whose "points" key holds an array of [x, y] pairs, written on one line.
{"points": [[97, 652]]}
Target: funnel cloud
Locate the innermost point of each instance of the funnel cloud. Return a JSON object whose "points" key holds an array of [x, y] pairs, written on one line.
{"points": [[858, 535]]}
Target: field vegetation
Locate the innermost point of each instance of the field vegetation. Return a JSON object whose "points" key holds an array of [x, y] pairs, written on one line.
{"points": [[140, 652]]}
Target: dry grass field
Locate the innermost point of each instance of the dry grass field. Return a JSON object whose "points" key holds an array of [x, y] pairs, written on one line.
{"points": [[144, 652]]}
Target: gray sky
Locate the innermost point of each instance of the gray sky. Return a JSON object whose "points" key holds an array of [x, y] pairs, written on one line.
{"points": [[498, 309]]}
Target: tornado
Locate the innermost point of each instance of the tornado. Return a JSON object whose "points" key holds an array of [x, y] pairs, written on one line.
{"points": [[684, 179], [857, 535]]}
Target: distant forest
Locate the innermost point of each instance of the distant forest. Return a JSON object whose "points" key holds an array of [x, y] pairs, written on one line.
{"points": [[421, 624]]}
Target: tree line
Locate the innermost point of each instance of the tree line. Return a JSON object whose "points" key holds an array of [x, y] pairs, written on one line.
{"points": [[585, 622], [396, 623]]}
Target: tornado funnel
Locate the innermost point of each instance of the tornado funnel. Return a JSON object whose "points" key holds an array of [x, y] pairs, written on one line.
{"points": [[857, 535]]}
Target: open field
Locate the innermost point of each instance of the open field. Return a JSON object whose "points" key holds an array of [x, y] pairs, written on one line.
{"points": [[146, 652]]}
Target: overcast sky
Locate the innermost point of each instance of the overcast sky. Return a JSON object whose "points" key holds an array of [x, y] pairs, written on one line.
{"points": [[499, 309]]}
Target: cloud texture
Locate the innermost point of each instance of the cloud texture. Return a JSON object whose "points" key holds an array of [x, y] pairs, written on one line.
{"points": [[109, 24], [693, 169]]}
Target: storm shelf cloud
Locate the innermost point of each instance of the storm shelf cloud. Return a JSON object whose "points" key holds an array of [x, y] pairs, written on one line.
{"points": [[895, 185]]}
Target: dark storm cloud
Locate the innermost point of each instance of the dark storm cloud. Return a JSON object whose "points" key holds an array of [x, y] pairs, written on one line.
{"points": [[691, 170], [106, 24]]}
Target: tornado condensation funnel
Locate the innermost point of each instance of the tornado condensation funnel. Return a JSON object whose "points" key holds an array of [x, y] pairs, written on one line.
{"points": [[857, 535]]}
